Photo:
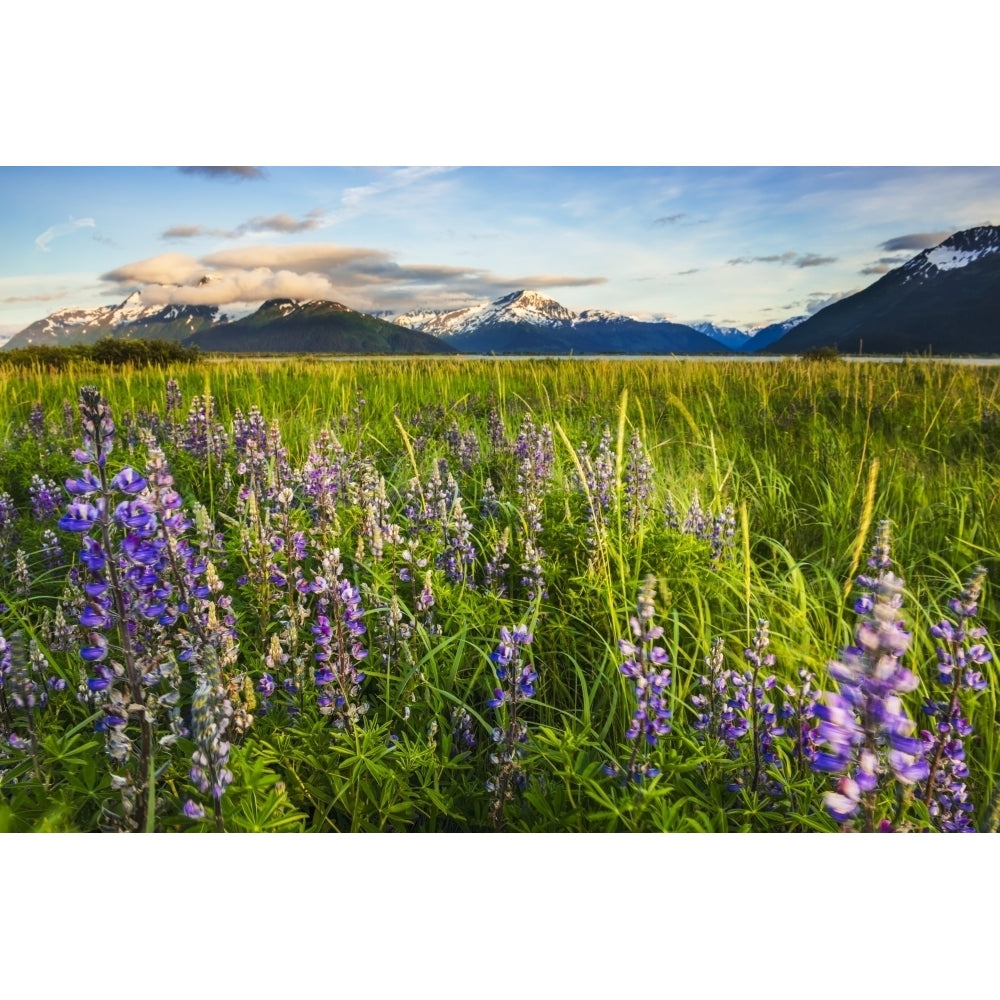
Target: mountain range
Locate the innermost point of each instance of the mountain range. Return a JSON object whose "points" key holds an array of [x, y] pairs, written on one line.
{"points": [[944, 300], [527, 322], [127, 320]]}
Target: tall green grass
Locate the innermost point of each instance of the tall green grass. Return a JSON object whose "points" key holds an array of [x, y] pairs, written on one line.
{"points": [[811, 455]]}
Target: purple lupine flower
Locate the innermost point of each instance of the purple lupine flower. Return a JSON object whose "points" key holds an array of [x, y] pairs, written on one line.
{"points": [[722, 534], [637, 483], [211, 712], [36, 421], [44, 497], [462, 735], [672, 514], [515, 681], [369, 492], [763, 716], [141, 576], [535, 454], [489, 502], [459, 556], [425, 599], [495, 570], [323, 479], [8, 520], [463, 446], [339, 652], [203, 436], [98, 427], [496, 431], [695, 519], [52, 553], [798, 713], [646, 667], [709, 700], [174, 397], [600, 486], [864, 727], [21, 679], [960, 654], [80, 516], [533, 579]]}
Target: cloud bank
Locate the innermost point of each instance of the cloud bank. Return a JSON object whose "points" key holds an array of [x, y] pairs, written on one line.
{"points": [[361, 277]]}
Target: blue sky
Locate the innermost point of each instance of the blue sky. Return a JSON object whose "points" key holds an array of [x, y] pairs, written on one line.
{"points": [[735, 246]]}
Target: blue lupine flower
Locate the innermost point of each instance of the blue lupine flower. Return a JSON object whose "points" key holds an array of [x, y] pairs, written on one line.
{"points": [[516, 684], [79, 516], [945, 791], [646, 668], [865, 727]]}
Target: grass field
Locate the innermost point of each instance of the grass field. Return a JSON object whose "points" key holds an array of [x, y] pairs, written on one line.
{"points": [[315, 626]]}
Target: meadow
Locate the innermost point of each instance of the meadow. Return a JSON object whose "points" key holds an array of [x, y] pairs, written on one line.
{"points": [[442, 595]]}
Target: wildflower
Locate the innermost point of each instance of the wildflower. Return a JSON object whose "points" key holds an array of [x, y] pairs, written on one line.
{"points": [[211, 712], [637, 483], [44, 497], [515, 684], [646, 667], [864, 726], [710, 700], [798, 713], [462, 735], [339, 651], [959, 657]]}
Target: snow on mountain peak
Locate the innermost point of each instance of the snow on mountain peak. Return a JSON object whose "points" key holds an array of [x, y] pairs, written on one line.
{"points": [[526, 305], [965, 247], [132, 309], [523, 306], [959, 250], [947, 258]]}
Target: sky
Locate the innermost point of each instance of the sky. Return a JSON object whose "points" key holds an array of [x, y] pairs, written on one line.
{"points": [[734, 246]]}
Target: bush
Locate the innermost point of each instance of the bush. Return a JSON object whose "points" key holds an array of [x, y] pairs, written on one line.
{"points": [[110, 352], [828, 353]]}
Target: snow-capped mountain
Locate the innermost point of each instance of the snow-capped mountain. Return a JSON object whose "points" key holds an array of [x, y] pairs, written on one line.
{"points": [[731, 336], [527, 322], [525, 306], [518, 307], [128, 319], [959, 250], [944, 300]]}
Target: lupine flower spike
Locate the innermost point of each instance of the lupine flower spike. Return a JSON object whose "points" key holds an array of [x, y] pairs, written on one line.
{"points": [[515, 684], [646, 667], [960, 654], [864, 726]]}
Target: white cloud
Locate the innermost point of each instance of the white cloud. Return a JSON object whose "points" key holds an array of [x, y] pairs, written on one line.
{"points": [[164, 269], [43, 240], [242, 286]]}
